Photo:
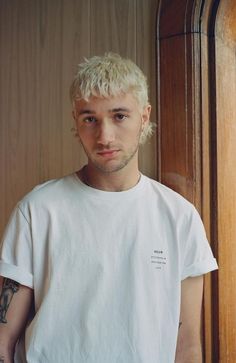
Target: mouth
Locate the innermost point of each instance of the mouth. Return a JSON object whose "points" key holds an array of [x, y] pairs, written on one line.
{"points": [[107, 153]]}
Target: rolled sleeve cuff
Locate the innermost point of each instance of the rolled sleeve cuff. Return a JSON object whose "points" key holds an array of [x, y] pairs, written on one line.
{"points": [[199, 268], [16, 273]]}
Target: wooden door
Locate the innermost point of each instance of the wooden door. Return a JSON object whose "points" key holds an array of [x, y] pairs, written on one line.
{"points": [[197, 140]]}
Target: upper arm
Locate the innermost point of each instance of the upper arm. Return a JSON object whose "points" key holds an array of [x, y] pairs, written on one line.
{"points": [[189, 337], [15, 303]]}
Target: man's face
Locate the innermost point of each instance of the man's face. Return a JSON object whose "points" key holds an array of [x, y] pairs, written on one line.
{"points": [[109, 130]]}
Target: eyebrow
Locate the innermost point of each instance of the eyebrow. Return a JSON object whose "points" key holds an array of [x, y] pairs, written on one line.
{"points": [[91, 112], [120, 109]]}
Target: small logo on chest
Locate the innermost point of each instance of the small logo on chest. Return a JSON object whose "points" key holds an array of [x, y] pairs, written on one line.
{"points": [[158, 259]]}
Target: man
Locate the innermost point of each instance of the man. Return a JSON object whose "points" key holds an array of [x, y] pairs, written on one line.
{"points": [[111, 260]]}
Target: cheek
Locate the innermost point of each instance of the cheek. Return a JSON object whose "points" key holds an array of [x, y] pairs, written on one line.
{"points": [[84, 135], [133, 131], [129, 134]]}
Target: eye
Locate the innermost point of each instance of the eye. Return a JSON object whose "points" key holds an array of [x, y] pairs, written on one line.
{"points": [[89, 120], [120, 116]]}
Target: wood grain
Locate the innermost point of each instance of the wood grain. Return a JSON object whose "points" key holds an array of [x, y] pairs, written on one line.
{"points": [[179, 114], [184, 121], [19, 108], [206, 189], [226, 176], [113, 27], [145, 39], [75, 47]]}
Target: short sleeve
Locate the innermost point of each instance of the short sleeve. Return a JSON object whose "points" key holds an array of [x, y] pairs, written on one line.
{"points": [[16, 250], [197, 257]]}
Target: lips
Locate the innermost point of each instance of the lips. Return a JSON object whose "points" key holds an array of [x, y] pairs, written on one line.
{"points": [[107, 153]]}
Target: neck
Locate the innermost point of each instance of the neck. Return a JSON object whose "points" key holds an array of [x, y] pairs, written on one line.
{"points": [[114, 182]]}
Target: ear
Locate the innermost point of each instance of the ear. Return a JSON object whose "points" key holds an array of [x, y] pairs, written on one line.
{"points": [[146, 115]]}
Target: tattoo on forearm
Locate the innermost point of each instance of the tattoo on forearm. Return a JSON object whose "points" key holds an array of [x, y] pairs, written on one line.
{"points": [[9, 288], [180, 323]]}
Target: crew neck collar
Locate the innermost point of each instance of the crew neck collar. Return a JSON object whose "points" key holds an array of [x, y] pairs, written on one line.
{"points": [[104, 194]]}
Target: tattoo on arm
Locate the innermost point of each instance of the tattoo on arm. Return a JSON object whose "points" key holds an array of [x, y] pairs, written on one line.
{"points": [[180, 323], [9, 288]]}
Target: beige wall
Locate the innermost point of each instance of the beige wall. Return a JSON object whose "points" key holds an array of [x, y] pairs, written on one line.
{"points": [[41, 42]]}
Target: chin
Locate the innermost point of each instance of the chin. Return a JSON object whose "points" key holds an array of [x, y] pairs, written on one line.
{"points": [[112, 168]]}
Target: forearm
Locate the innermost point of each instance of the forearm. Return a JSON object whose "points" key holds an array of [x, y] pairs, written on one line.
{"points": [[189, 355], [15, 302], [6, 355], [7, 345], [189, 347]]}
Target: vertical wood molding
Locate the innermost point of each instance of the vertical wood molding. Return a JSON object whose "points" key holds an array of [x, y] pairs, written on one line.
{"points": [[183, 30], [197, 113], [225, 175], [179, 97]]}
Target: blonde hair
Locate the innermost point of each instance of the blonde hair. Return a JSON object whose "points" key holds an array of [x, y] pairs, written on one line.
{"points": [[111, 75]]}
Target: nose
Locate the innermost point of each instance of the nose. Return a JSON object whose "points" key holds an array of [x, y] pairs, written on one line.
{"points": [[105, 133]]}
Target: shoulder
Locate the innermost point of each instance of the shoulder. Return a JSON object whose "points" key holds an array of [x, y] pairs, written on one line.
{"points": [[50, 191], [168, 199], [174, 208]]}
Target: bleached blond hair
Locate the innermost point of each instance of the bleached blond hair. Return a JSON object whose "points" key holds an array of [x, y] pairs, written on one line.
{"points": [[111, 75]]}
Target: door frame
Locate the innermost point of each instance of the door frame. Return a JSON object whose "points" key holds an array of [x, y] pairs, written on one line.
{"points": [[186, 129]]}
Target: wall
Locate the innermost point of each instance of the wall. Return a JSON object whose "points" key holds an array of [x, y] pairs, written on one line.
{"points": [[41, 42]]}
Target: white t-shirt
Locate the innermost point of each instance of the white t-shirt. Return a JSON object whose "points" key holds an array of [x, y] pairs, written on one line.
{"points": [[106, 269]]}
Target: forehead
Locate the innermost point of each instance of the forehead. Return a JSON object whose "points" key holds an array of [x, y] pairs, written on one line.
{"points": [[107, 103]]}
